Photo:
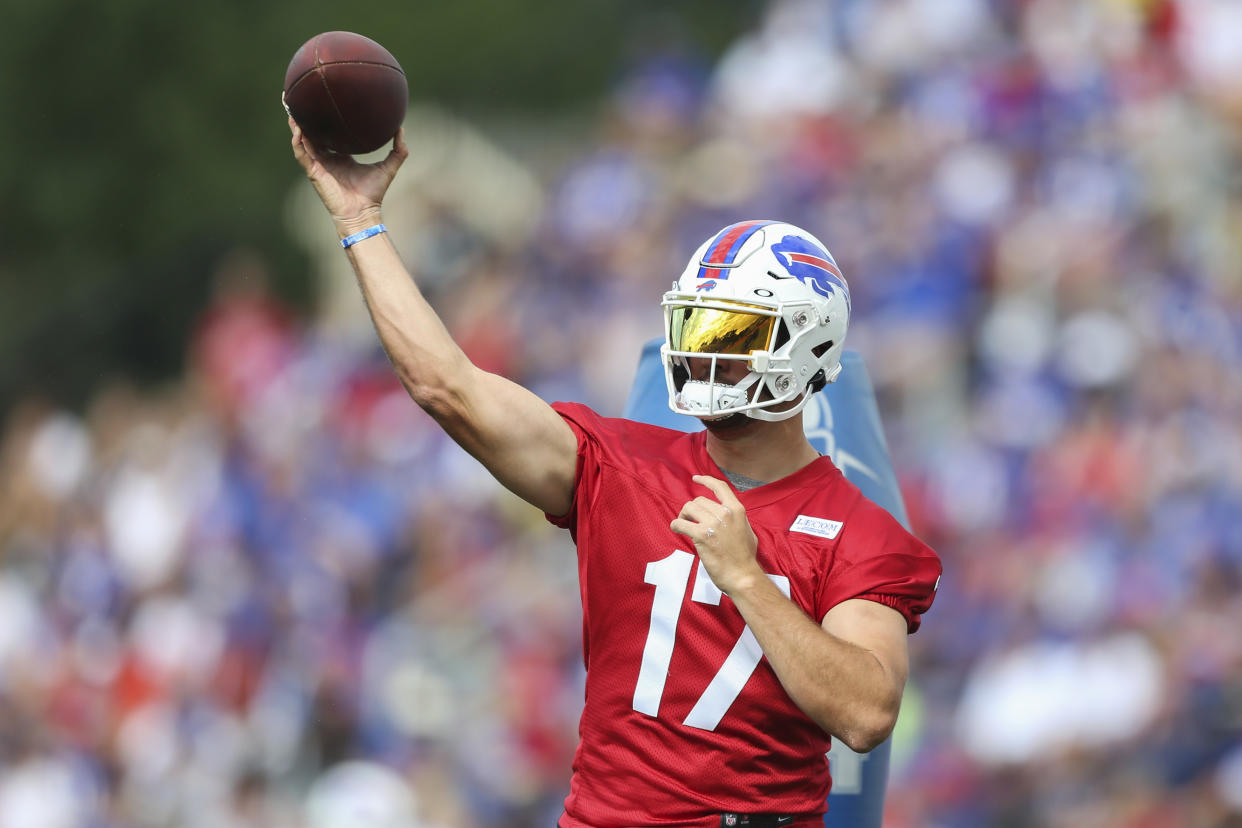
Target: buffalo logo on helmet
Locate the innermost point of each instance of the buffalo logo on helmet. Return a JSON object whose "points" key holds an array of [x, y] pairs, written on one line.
{"points": [[812, 265]]}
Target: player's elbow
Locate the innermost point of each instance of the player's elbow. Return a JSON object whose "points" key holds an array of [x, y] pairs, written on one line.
{"points": [[871, 724], [439, 383], [438, 400], [867, 737], [442, 394]]}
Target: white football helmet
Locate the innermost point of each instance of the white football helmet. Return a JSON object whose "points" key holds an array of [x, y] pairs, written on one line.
{"points": [[763, 292]]}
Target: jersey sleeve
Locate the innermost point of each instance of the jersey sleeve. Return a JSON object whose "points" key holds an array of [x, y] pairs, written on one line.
{"points": [[586, 425], [877, 559]]}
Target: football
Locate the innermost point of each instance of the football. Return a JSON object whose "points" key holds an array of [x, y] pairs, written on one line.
{"points": [[346, 92]]}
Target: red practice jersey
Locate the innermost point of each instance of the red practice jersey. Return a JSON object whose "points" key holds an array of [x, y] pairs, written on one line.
{"points": [[684, 718]]}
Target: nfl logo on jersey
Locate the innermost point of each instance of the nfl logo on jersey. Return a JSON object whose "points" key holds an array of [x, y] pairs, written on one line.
{"points": [[730, 820]]}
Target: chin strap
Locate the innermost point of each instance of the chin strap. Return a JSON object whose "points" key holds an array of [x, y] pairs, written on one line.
{"points": [[770, 416]]}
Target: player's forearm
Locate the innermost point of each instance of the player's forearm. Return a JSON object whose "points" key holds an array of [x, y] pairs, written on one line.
{"points": [[427, 360], [844, 688]]}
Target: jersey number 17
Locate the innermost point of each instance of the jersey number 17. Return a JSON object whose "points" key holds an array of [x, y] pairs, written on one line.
{"points": [[670, 576]]}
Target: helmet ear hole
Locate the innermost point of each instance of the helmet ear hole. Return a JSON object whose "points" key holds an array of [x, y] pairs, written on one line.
{"points": [[820, 379]]}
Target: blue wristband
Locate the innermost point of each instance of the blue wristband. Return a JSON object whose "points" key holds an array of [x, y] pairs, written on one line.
{"points": [[373, 230]]}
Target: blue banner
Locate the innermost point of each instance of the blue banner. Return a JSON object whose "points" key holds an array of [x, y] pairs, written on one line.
{"points": [[843, 422]]}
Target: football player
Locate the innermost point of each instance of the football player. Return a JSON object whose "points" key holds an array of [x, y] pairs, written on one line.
{"points": [[742, 602]]}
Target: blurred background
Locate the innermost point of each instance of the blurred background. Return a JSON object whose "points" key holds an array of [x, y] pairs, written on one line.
{"points": [[244, 582]]}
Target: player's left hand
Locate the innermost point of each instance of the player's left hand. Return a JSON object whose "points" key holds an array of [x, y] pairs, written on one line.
{"points": [[722, 535]]}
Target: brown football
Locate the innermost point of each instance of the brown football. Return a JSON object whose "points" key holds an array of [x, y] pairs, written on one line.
{"points": [[346, 92]]}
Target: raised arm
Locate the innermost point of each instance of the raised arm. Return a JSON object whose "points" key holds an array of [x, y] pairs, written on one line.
{"points": [[516, 435]]}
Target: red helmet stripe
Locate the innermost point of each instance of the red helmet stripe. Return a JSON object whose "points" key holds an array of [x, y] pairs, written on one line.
{"points": [[815, 261], [721, 249]]}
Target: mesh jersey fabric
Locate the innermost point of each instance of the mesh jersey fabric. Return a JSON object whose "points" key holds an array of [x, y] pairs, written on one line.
{"points": [[764, 755]]}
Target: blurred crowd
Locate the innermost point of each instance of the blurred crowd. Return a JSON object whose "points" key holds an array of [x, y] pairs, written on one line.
{"points": [[273, 594]]}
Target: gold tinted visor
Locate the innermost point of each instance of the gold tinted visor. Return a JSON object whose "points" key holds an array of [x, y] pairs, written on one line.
{"points": [[715, 331]]}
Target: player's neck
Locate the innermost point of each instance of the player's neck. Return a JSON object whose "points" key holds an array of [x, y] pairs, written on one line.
{"points": [[761, 450]]}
